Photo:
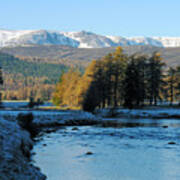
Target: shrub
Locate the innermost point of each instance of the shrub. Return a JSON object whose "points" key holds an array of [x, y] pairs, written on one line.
{"points": [[25, 121]]}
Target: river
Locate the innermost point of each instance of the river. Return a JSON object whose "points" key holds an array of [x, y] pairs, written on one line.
{"points": [[139, 149]]}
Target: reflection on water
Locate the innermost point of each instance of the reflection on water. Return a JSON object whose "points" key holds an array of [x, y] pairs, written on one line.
{"points": [[139, 150]]}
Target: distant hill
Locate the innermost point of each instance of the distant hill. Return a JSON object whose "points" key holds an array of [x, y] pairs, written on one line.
{"points": [[69, 55]]}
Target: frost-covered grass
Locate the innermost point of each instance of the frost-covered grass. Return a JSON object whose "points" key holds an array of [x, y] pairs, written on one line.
{"points": [[53, 118], [155, 112], [15, 143], [15, 146]]}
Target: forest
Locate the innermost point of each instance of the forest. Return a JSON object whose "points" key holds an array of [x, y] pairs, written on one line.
{"points": [[119, 80], [23, 79]]}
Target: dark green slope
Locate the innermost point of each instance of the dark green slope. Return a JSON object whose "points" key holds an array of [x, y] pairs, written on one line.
{"points": [[12, 65]]}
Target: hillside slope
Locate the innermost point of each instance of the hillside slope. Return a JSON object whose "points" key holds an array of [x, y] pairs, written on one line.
{"points": [[70, 55]]}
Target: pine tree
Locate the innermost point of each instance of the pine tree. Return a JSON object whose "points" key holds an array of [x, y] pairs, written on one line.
{"points": [[135, 82], [141, 67], [171, 80], [154, 77], [130, 85], [92, 98]]}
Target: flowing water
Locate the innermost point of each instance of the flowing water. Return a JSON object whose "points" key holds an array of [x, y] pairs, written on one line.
{"points": [[136, 150]]}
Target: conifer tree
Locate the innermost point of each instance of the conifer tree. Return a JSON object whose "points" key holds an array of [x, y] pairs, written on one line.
{"points": [[65, 94], [85, 82], [171, 80], [118, 74], [177, 86], [140, 61], [93, 93], [70, 95], [130, 85], [154, 77], [108, 71], [114, 80], [134, 82]]}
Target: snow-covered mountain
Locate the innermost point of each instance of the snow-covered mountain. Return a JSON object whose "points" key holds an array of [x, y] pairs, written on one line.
{"points": [[13, 38], [81, 39]]}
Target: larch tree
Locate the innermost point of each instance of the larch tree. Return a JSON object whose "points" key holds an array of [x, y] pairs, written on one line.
{"points": [[65, 94], [108, 69], [117, 79], [88, 87], [70, 97], [119, 64]]}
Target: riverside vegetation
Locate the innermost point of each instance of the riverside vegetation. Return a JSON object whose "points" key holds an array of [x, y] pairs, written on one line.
{"points": [[114, 80], [118, 79], [34, 70]]}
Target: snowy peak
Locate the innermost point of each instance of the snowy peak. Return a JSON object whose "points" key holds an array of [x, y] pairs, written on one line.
{"points": [[169, 41], [13, 38], [90, 40], [82, 39]]}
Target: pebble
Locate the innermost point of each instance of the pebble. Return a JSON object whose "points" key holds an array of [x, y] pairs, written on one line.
{"points": [[75, 129], [171, 142], [89, 153]]}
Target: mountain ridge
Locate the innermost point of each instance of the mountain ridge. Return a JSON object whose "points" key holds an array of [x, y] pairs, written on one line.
{"points": [[82, 39]]}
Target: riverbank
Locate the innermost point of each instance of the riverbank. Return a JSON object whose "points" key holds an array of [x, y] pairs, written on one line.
{"points": [[16, 144], [54, 118], [15, 148], [148, 112]]}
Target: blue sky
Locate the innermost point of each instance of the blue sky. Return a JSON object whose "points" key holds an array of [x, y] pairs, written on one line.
{"points": [[107, 17]]}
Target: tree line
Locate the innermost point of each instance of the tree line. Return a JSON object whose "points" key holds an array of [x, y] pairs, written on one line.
{"points": [[119, 80], [18, 87]]}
